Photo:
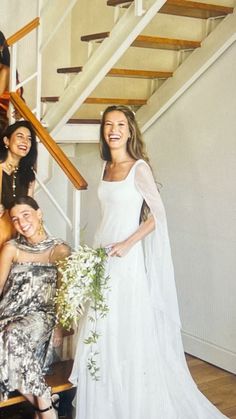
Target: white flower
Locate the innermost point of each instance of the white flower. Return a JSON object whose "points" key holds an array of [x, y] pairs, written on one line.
{"points": [[83, 280]]}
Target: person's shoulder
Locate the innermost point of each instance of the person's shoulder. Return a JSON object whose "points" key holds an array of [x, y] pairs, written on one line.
{"points": [[61, 250], [9, 248], [141, 166]]}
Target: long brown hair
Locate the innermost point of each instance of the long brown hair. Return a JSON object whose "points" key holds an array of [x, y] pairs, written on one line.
{"points": [[135, 144]]}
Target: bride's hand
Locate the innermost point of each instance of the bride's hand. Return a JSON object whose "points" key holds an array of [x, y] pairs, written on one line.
{"points": [[118, 249]]}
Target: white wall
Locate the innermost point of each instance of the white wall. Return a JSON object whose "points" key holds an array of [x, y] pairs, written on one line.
{"points": [[193, 149], [90, 166], [13, 17]]}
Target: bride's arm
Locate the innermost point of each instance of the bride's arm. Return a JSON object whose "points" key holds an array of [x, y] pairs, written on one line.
{"points": [[122, 248]]}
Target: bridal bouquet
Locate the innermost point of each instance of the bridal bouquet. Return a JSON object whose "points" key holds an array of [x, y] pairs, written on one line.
{"points": [[83, 280]]}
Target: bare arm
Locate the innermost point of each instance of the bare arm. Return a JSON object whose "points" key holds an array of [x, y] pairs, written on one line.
{"points": [[6, 258], [31, 189], [4, 79]]}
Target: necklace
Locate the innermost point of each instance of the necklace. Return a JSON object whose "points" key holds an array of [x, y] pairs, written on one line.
{"points": [[12, 170], [11, 167], [14, 181]]}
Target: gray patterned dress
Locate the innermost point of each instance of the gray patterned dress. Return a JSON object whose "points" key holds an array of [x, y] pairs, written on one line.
{"points": [[27, 319]]}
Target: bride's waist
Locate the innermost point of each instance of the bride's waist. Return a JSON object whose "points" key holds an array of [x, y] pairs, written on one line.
{"points": [[105, 237]]}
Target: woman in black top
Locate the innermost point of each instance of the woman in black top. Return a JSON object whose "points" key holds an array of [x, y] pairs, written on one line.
{"points": [[18, 155]]}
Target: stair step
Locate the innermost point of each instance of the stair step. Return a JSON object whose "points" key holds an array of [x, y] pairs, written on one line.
{"points": [[115, 101], [83, 121], [102, 100], [124, 72], [95, 37], [65, 70], [146, 41], [57, 380], [49, 99], [184, 8]]}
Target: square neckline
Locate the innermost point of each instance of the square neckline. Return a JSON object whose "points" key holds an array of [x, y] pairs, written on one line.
{"points": [[122, 180]]}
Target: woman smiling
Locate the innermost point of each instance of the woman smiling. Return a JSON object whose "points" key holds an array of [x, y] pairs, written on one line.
{"points": [[18, 155], [28, 284]]}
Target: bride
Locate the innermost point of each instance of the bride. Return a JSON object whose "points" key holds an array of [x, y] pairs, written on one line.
{"points": [[143, 373]]}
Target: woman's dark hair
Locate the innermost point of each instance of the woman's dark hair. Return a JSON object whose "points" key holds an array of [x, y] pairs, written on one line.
{"points": [[24, 200], [27, 163], [3, 122], [135, 144], [4, 51]]}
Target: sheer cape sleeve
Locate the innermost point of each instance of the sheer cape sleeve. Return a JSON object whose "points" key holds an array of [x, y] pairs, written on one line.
{"points": [[157, 251]]}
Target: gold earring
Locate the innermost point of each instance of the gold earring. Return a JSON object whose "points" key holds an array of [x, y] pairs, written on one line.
{"points": [[41, 229]]}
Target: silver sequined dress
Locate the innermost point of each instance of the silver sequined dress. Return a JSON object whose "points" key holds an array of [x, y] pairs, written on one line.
{"points": [[27, 318]]}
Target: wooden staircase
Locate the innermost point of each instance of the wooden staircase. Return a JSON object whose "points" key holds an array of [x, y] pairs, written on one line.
{"points": [[123, 72], [144, 41], [151, 78], [184, 8]]}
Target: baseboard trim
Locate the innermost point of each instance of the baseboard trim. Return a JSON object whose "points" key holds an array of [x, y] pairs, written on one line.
{"points": [[209, 352]]}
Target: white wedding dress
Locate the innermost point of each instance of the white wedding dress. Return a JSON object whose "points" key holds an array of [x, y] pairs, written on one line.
{"points": [[143, 373]]}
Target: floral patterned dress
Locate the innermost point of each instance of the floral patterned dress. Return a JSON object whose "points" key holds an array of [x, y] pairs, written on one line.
{"points": [[27, 319]]}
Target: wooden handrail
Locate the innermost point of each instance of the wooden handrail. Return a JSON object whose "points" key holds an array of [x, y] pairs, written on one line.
{"points": [[23, 31], [55, 151]]}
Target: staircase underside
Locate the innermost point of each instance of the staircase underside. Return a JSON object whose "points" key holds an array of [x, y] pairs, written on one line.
{"points": [[102, 60], [192, 68], [110, 50]]}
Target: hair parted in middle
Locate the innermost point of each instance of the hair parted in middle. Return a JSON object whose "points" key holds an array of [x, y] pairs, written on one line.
{"points": [[24, 200], [135, 144], [27, 163]]}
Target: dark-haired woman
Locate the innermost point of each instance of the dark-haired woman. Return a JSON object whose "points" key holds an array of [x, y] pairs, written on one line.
{"points": [[18, 155], [143, 373], [28, 283]]}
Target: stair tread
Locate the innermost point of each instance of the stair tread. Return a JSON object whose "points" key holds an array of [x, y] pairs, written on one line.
{"points": [[115, 101], [148, 41], [65, 70], [83, 121], [124, 72], [102, 100], [185, 8], [49, 98], [58, 381]]}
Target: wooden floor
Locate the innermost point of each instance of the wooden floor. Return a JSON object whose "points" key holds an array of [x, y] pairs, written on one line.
{"points": [[218, 385]]}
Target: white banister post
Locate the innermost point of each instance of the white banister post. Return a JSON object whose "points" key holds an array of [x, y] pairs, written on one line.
{"points": [[39, 65], [138, 7], [76, 217], [13, 66]]}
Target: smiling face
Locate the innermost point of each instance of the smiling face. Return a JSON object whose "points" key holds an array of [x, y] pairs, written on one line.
{"points": [[116, 130], [19, 143], [26, 221]]}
